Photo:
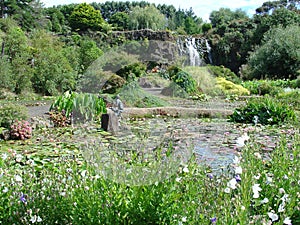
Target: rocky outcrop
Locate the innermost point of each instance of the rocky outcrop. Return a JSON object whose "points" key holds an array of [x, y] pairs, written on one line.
{"points": [[139, 35]]}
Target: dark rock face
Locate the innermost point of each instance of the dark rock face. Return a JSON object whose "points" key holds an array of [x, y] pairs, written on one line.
{"points": [[139, 35]]}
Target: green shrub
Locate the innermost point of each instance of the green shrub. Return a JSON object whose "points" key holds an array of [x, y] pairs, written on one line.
{"points": [[291, 98], [185, 81], [221, 71], [229, 88], [263, 87], [263, 111], [10, 112], [132, 70]]}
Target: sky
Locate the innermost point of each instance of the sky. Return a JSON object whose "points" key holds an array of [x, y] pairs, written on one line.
{"points": [[202, 8]]}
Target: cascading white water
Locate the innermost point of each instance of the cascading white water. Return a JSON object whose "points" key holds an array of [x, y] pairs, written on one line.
{"points": [[195, 50], [194, 57]]}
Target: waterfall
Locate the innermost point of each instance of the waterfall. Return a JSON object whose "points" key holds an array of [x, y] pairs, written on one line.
{"points": [[196, 51]]}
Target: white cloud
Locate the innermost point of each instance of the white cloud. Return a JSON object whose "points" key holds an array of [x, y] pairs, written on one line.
{"points": [[201, 8]]}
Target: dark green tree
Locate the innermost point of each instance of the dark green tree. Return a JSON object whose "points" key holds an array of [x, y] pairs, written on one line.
{"points": [[120, 21], [278, 56], [84, 17]]}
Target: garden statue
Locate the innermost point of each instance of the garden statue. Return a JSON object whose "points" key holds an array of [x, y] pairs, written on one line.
{"points": [[111, 120]]}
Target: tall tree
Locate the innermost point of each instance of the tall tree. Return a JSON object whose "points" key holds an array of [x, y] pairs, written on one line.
{"points": [[148, 17], [84, 17], [278, 56]]}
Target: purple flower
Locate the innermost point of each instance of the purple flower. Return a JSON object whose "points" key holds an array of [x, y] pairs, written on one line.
{"points": [[213, 220], [209, 175], [238, 178], [23, 198]]}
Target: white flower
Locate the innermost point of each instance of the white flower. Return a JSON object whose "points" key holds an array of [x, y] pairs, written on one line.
{"points": [[19, 157], [241, 140], [256, 189], [287, 221], [265, 200], [238, 170], [5, 190], [227, 190], [178, 179], [281, 191], [83, 173], [281, 207], [257, 155], [39, 219], [257, 177], [273, 216], [186, 169], [232, 183], [269, 180], [18, 178], [236, 160], [243, 208], [183, 219], [4, 156]]}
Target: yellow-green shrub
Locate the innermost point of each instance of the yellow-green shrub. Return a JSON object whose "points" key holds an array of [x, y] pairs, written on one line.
{"points": [[230, 88]]}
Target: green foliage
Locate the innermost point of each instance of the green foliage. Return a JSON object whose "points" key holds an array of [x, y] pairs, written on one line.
{"points": [[53, 73], [185, 81], [119, 21], [132, 71], [17, 50], [278, 57], [148, 17], [264, 111], [88, 53], [85, 17], [77, 106], [20, 130], [41, 178], [221, 71], [11, 112], [206, 27], [291, 98], [113, 84], [229, 88], [133, 95], [263, 87], [205, 80]]}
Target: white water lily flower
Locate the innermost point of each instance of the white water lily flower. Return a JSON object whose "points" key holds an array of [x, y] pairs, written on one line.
{"points": [[273, 216], [238, 170], [287, 221], [232, 183], [241, 140]]}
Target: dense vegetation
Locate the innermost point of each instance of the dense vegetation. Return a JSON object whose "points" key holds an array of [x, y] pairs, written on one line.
{"points": [[48, 50]]}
